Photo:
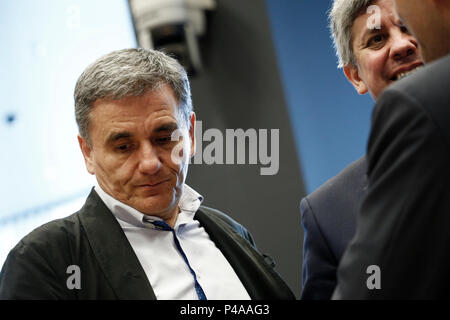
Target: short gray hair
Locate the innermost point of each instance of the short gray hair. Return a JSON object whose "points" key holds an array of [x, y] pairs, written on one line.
{"points": [[342, 16], [125, 73]]}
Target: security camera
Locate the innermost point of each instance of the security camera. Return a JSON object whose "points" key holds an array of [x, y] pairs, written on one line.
{"points": [[172, 26]]}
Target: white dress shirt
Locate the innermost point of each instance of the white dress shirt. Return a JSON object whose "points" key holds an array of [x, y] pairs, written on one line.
{"points": [[163, 264]]}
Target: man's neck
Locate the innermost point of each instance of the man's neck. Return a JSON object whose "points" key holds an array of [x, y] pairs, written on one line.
{"points": [[173, 217]]}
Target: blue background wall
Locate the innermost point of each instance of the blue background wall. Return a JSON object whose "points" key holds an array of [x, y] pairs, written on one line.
{"points": [[330, 120]]}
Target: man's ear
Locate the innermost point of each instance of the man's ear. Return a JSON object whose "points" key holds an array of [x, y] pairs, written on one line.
{"points": [[352, 73], [86, 149], [192, 133]]}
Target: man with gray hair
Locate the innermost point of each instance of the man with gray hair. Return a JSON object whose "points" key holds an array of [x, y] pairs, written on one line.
{"points": [[374, 50], [401, 247], [142, 233]]}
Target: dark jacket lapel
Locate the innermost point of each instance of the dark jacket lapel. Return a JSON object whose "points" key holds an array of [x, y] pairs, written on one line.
{"points": [[127, 278], [258, 277], [113, 251]]}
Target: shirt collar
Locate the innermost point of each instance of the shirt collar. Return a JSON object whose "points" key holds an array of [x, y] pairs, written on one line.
{"points": [[189, 203]]}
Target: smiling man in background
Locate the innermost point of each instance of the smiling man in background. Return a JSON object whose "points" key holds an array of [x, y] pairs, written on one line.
{"points": [[374, 49], [402, 243], [142, 233]]}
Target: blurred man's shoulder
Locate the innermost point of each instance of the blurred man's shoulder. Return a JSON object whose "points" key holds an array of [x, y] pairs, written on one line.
{"points": [[424, 94], [427, 86]]}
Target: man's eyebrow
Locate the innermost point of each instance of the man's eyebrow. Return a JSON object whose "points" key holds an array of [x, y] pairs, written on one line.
{"points": [[369, 32], [115, 136], [166, 127]]}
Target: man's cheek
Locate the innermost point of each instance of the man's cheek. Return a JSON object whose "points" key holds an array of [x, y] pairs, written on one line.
{"points": [[179, 153]]}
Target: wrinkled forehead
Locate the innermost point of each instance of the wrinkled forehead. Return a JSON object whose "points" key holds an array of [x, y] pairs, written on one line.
{"points": [[154, 104], [377, 16]]}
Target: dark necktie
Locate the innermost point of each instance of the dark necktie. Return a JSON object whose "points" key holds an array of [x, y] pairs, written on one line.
{"points": [[161, 225]]}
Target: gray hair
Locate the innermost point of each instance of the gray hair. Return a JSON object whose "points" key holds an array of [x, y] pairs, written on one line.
{"points": [[342, 16], [125, 73]]}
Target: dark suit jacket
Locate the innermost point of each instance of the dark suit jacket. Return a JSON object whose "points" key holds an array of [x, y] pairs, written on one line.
{"points": [[93, 240], [329, 221], [404, 224]]}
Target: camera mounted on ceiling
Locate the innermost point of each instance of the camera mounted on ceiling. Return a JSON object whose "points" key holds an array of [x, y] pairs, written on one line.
{"points": [[172, 26]]}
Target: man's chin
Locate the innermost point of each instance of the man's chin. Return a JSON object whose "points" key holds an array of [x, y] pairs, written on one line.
{"points": [[159, 206], [147, 190]]}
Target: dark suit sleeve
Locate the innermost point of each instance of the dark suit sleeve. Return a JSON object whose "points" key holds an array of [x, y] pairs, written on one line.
{"points": [[403, 226], [27, 274], [319, 264], [245, 234]]}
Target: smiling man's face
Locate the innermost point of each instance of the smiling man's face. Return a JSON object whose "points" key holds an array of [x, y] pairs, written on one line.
{"points": [[131, 150], [383, 55]]}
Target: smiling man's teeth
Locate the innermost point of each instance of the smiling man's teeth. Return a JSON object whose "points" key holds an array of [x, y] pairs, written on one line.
{"points": [[401, 75]]}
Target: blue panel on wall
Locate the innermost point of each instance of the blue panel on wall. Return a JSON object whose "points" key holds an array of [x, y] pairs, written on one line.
{"points": [[330, 120]]}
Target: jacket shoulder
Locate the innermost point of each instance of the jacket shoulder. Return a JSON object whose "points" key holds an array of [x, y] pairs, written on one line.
{"points": [[427, 85], [342, 195], [352, 178], [36, 267], [424, 92], [335, 205], [51, 233], [236, 226]]}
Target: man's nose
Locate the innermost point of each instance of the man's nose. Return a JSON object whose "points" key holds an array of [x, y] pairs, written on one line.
{"points": [[149, 162], [403, 45]]}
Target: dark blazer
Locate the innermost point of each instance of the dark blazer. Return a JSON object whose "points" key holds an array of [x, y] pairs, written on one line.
{"points": [[404, 224], [93, 240], [329, 221]]}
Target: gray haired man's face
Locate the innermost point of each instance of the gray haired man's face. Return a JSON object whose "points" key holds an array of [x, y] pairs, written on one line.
{"points": [[384, 49], [132, 147]]}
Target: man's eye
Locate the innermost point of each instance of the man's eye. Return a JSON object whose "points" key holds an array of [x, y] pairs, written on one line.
{"points": [[376, 40], [164, 140], [123, 147], [404, 29]]}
